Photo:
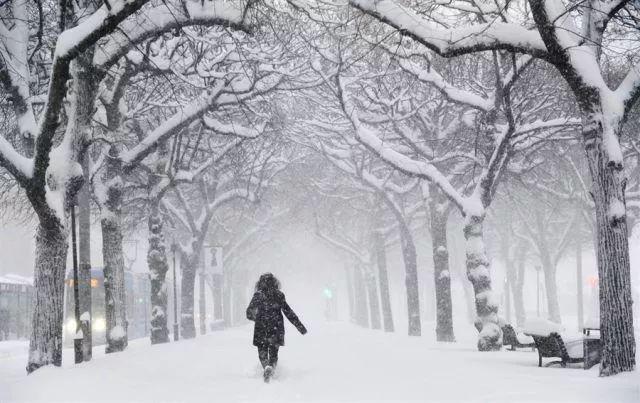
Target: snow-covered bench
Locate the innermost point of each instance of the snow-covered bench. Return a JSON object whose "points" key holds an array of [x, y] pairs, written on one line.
{"points": [[516, 339], [554, 346], [553, 342]]}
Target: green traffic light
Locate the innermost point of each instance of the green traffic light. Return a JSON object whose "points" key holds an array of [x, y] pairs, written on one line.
{"points": [[328, 293]]}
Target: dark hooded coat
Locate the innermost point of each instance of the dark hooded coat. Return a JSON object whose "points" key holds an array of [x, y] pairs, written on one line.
{"points": [[266, 309]]}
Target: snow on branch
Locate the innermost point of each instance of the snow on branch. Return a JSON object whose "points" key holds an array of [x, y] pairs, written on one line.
{"points": [[20, 167], [14, 68], [454, 94], [71, 43], [399, 161], [181, 119], [629, 89], [454, 41], [232, 248], [342, 246], [165, 16], [233, 129]]}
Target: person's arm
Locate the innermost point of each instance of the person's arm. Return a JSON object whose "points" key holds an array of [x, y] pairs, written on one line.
{"points": [[252, 309], [293, 318]]}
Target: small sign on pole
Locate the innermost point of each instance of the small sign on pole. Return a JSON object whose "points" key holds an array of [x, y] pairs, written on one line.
{"points": [[213, 259]]}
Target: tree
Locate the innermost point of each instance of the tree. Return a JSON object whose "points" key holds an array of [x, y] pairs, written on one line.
{"points": [[208, 82], [359, 166], [573, 38], [225, 184], [500, 129]]}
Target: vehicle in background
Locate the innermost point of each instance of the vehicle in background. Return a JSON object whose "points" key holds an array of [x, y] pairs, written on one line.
{"points": [[137, 291], [16, 304]]}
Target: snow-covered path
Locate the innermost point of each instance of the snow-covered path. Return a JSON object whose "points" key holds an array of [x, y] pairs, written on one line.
{"points": [[333, 363]]}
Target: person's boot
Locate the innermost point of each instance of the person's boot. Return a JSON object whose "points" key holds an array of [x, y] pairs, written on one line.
{"points": [[268, 372]]}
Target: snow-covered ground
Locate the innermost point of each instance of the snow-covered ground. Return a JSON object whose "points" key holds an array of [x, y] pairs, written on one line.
{"points": [[335, 362]]}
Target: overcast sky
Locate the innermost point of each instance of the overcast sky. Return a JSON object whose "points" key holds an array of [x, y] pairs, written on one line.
{"points": [[17, 249]]}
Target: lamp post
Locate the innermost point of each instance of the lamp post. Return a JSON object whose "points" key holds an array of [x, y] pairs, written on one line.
{"points": [[77, 338], [176, 334]]}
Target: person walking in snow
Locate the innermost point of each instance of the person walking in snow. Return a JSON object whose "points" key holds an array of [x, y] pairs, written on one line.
{"points": [[266, 309]]}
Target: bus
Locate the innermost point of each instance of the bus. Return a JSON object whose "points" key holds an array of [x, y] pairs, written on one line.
{"points": [[137, 292]]}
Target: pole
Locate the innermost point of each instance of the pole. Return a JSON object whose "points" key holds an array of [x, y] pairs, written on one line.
{"points": [[579, 285], [176, 334], [538, 290], [84, 259], [203, 306], [77, 341]]}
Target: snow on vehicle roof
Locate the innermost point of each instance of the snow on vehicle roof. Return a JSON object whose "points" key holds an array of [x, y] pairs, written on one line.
{"points": [[16, 279]]}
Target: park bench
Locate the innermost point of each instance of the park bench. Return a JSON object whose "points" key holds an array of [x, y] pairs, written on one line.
{"points": [[510, 338], [552, 346]]}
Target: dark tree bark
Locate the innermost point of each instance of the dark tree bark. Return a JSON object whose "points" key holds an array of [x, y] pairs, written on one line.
{"points": [[112, 256], [380, 252], [158, 267], [441, 272], [614, 270], [550, 285], [45, 344], [410, 260], [411, 279], [187, 297], [607, 191]]}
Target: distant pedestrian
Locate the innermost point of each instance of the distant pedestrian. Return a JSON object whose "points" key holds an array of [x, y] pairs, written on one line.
{"points": [[266, 309]]}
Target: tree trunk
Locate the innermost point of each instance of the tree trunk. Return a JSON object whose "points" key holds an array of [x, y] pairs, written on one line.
{"points": [[510, 272], [158, 267], [350, 294], [411, 279], [203, 303], [374, 300], [84, 252], [616, 316], [217, 296], [441, 274], [506, 293], [517, 288], [85, 89], [187, 296], [113, 258], [240, 297], [362, 314], [552, 290], [429, 308], [114, 291], [226, 297], [580, 301], [478, 272], [45, 344], [383, 279]]}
